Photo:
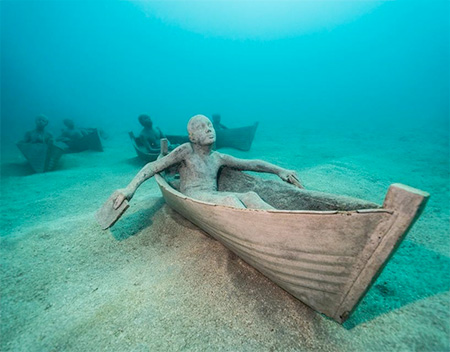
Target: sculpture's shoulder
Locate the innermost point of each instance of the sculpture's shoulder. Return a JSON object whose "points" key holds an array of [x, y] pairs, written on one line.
{"points": [[221, 158], [182, 151]]}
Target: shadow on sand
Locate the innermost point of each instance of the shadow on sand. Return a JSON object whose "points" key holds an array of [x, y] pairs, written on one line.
{"points": [[19, 169], [136, 222], [136, 161], [16, 169], [414, 273]]}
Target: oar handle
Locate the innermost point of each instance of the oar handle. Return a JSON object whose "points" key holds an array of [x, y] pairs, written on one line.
{"points": [[164, 146]]}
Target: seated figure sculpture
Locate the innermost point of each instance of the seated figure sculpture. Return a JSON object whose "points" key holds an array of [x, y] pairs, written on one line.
{"points": [[39, 134], [199, 166], [71, 133], [149, 136], [216, 122]]}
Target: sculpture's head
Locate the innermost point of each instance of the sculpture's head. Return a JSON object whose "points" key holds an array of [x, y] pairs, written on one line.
{"points": [[216, 118], [41, 121], [201, 130], [69, 123], [145, 121]]}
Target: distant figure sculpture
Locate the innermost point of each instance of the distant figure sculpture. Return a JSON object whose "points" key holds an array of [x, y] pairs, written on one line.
{"points": [[39, 134], [216, 122], [70, 133], [149, 136], [199, 167]]}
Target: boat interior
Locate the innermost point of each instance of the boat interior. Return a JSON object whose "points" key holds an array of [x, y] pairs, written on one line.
{"points": [[281, 195]]}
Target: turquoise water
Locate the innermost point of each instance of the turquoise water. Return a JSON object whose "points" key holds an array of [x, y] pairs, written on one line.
{"points": [[105, 63], [354, 96]]}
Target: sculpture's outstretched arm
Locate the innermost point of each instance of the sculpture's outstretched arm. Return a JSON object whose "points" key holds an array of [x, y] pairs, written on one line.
{"points": [[250, 165], [260, 166], [149, 170]]}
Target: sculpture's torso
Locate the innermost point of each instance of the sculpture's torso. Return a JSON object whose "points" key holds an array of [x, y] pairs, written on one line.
{"points": [[152, 136], [198, 173], [37, 136]]}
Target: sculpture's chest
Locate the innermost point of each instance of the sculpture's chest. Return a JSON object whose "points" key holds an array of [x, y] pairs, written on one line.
{"points": [[203, 167]]}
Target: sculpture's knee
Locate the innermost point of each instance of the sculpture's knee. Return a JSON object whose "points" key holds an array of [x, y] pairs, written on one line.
{"points": [[252, 195], [233, 201], [254, 201]]}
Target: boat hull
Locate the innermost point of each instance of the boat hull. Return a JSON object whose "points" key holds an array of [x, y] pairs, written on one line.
{"points": [[42, 157], [326, 259], [238, 138], [141, 151], [91, 141]]}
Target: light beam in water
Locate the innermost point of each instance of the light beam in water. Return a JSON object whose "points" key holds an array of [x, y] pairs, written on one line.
{"points": [[256, 19]]}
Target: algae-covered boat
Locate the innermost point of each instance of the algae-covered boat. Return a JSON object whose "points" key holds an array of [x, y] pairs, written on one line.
{"points": [[238, 138], [141, 151], [42, 157], [90, 141], [327, 252]]}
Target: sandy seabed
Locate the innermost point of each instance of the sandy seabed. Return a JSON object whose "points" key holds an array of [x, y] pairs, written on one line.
{"points": [[155, 282]]}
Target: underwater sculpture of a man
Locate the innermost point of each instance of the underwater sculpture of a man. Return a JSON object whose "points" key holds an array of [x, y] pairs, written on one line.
{"points": [[199, 168], [149, 135], [71, 133], [39, 134]]}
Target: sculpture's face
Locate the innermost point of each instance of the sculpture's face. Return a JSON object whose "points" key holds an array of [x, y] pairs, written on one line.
{"points": [[201, 130], [146, 121], [41, 121]]}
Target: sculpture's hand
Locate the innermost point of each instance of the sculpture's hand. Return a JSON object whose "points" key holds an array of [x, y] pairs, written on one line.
{"points": [[122, 194], [291, 177]]}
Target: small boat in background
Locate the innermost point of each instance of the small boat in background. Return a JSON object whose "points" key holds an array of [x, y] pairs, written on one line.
{"points": [[42, 157], [238, 138], [326, 250], [142, 151], [90, 141]]}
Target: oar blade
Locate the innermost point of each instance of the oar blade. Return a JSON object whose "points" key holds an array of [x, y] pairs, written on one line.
{"points": [[107, 216]]}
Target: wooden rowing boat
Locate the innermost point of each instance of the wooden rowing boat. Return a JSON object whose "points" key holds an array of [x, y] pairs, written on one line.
{"points": [[141, 151], [238, 138], [42, 157], [327, 252], [91, 141]]}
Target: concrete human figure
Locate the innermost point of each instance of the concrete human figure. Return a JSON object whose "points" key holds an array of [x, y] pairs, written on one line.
{"points": [[199, 166], [39, 134], [149, 135], [216, 122], [71, 133]]}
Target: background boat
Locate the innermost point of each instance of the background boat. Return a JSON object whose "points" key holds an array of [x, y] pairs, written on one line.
{"points": [[238, 138], [142, 151], [90, 141], [42, 157]]}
